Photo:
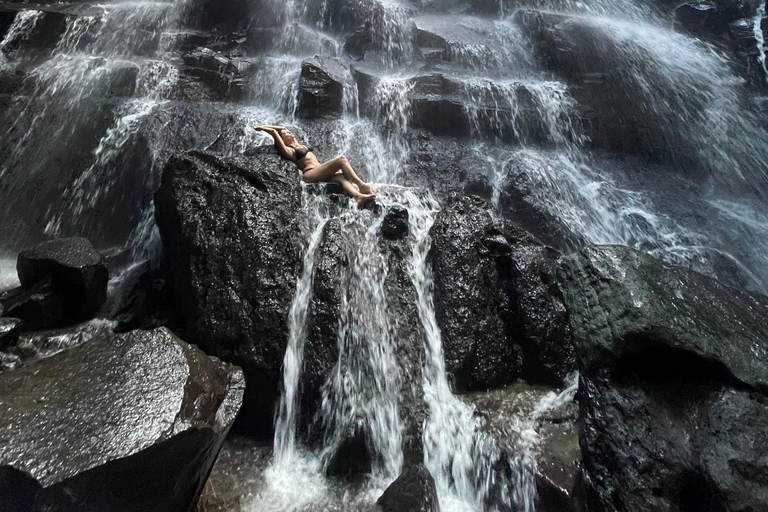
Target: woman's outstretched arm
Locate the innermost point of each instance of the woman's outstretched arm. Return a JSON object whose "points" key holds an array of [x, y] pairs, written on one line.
{"points": [[281, 147], [278, 128]]}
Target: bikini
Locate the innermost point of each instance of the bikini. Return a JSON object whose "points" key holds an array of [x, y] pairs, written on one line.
{"points": [[300, 153]]}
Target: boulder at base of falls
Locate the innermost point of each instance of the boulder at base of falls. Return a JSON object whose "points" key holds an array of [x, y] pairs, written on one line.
{"points": [[72, 263], [130, 422], [352, 456], [535, 429], [673, 385], [496, 300], [321, 93], [413, 491], [63, 281], [230, 230]]}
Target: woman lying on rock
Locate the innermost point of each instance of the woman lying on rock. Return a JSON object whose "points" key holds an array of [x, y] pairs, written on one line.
{"points": [[336, 170]]}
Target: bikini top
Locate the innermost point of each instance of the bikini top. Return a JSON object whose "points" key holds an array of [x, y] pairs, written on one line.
{"points": [[300, 153]]}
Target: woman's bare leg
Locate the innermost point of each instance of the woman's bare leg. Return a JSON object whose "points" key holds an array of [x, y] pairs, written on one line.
{"points": [[326, 172], [347, 185], [351, 190]]}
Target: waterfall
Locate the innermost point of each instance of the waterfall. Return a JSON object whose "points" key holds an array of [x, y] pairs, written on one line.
{"points": [[23, 24], [285, 423], [98, 112], [364, 385], [757, 29]]}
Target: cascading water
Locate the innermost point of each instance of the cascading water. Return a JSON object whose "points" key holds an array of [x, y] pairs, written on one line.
{"points": [[20, 30], [527, 128]]}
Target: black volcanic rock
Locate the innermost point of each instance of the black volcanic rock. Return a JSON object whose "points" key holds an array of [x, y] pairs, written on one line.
{"points": [[76, 270], [395, 223], [352, 456], [413, 491], [39, 306], [230, 241], [129, 422], [496, 300], [674, 378], [321, 91]]}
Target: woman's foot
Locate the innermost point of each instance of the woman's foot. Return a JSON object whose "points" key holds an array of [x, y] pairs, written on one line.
{"points": [[363, 199], [368, 189]]}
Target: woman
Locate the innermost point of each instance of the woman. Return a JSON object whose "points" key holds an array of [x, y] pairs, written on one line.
{"points": [[337, 170]]}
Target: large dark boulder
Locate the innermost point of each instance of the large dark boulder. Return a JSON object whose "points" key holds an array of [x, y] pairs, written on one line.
{"points": [[496, 300], [674, 378], [230, 241], [321, 89], [129, 422], [413, 491], [77, 274]]}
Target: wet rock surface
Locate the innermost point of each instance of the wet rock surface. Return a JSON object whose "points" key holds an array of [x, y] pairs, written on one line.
{"points": [[321, 89], [673, 384], [230, 240], [591, 59], [225, 73], [63, 281], [123, 422], [413, 491], [496, 300], [537, 429], [395, 223]]}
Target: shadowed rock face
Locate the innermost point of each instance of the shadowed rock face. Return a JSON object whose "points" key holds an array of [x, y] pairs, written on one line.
{"points": [[63, 281], [674, 374], [230, 238], [321, 92], [129, 422], [499, 310], [413, 491]]}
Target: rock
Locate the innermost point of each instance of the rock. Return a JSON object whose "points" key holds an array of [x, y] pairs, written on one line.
{"points": [[9, 361], [321, 350], [547, 345], [413, 491], [540, 442], [619, 115], [39, 306], [9, 332], [225, 75], [395, 223], [472, 306], [321, 89], [357, 43], [238, 472], [129, 422], [496, 300], [140, 299], [366, 81], [729, 24], [673, 382], [77, 272], [230, 230], [352, 456]]}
